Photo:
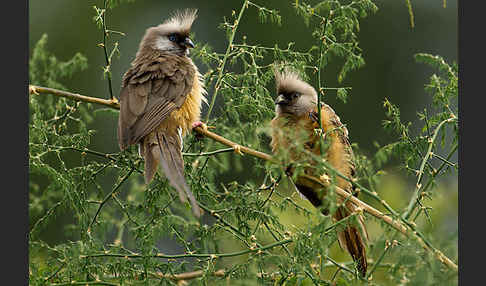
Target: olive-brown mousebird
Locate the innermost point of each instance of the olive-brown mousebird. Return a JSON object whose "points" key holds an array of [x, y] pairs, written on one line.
{"points": [[160, 100], [295, 121]]}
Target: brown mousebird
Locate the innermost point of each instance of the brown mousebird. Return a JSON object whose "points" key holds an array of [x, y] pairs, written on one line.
{"points": [[160, 100], [294, 123]]}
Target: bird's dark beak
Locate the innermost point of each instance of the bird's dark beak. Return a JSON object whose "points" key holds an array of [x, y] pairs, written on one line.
{"points": [[188, 43], [281, 100]]}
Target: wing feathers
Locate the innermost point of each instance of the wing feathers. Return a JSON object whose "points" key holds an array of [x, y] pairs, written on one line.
{"points": [[151, 120], [137, 101], [153, 88]]}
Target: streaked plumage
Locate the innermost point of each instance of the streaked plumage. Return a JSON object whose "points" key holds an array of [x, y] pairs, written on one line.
{"points": [[294, 123], [160, 99]]}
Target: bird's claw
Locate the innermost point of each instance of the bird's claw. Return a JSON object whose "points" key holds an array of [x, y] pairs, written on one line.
{"points": [[237, 149], [200, 124], [114, 100], [203, 126], [33, 90]]}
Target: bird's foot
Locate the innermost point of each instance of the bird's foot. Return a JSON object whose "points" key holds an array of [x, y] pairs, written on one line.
{"points": [[114, 100], [32, 89], [200, 124], [237, 149]]}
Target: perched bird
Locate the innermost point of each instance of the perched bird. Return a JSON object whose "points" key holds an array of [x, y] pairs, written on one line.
{"points": [[296, 119], [160, 100]]}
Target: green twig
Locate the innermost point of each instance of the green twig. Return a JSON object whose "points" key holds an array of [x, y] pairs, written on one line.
{"points": [[225, 58], [195, 255], [410, 13], [107, 60], [320, 90], [108, 196], [416, 196], [226, 150]]}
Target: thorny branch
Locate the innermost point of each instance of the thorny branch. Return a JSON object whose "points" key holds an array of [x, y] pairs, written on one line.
{"points": [[395, 223]]}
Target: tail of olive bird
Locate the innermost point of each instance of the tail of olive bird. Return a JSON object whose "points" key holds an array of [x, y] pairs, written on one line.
{"points": [[350, 238], [165, 150]]}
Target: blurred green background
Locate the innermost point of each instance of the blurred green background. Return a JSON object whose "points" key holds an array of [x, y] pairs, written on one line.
{"points": [[386, 38]]}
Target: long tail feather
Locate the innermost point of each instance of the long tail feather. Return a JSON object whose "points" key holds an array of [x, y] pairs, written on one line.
{"points": [[167, 154], [351, 239]]}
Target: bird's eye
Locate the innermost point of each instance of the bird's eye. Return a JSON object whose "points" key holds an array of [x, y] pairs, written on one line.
{"points": [[172, 37], [296, 95]]}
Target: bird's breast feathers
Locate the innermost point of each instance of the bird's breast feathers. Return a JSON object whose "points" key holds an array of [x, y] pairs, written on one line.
{"points": [[338, 153], [190, 110]]}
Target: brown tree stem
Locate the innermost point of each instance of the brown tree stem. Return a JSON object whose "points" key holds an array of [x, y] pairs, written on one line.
{"points": [[395, 223], [33, 89], [238, 148]]}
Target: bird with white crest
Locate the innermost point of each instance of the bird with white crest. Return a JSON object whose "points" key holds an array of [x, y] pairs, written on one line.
{"points": [[160, 100]]}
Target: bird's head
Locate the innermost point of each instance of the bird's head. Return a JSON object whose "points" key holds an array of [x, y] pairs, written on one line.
{"points": [[172, 35], [295, 97]]}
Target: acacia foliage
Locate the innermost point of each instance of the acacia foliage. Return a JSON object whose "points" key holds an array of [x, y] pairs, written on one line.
{"points": [[259, 232]]}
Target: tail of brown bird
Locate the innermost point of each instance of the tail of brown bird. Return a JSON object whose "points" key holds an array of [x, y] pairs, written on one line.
{"points": [[351, 239], [161, 148]]}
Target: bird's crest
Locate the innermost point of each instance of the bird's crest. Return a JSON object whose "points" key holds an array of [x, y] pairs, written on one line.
{"points": [[288, 80], [181, 20]]}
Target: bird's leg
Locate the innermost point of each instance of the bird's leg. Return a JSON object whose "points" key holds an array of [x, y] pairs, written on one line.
{"points": [[33, 90]]}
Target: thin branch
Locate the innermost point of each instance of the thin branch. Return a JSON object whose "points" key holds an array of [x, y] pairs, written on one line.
{"points": [[232, 144], [378, 261], [410, 13], [189, 275], [320, 94], [55, 272], [48, 213], [257, 250], [107, 60], [74, 96], [105, 200], [339, 265], [444, 160], [232, 229], [209, 153]]}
